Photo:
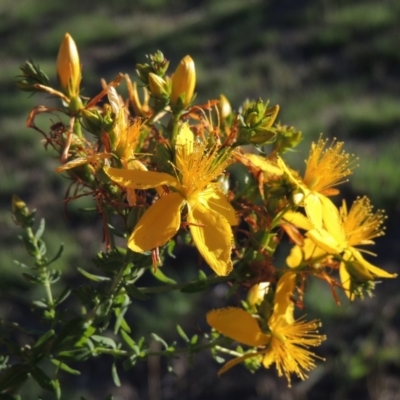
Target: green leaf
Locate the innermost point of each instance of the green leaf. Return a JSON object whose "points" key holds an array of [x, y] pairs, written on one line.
{"points": [[120, 312], [43, 340], [130, 362], [40, 304], [31, 278], [22, 265], [128, 340], [194, 339], [158, 274], [62, 296], [76, 354], [114, 374], [42, 248], [202, 275], [159, 339], [12, 378], [40, 230], [105, 341], [134, 292], [92, 277], [57, 388], [182, 333], [58, 255], [65, 367], [41, 378]]}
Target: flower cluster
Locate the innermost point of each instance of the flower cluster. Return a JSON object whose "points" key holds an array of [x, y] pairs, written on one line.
{"points": [[164, 166]]}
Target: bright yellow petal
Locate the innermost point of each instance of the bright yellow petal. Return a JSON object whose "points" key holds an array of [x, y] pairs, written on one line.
{"points": [[313, 208], [304, 254], [238, 325], [158, 225], [231, 363], [332, 221], [136, 179], [325, 241], [375, 271], [288, 172], [283, 305], [296, 257], [268, 359], [212, 235], [217, 201], [298, 219], [184, 142], [346, 280], [265, 165]]}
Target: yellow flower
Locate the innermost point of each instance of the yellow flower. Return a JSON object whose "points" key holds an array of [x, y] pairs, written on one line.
{"points": [[325, 169], [346, 229], [125, 132], [256, 293], [287, 341], [183, 81], [68, 67], [209, 214]]}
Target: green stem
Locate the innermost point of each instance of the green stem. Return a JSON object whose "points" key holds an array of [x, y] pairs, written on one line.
{"points": [[41, 264], [177, 286]]}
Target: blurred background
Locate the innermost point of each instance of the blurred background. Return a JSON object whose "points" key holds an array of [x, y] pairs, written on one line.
{"points": [[332, 65]]}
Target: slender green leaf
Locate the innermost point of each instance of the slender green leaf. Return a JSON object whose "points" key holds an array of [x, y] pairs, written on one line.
{"points": [[128, 340], [134, 292], [114, 374], [43, 340], [105, 341], [65, 367], [12, 378], [159, 339], [58, 255], [182, 333], [92, 277], [62, 296], [41, 378], [40, 230], [158, 274]]}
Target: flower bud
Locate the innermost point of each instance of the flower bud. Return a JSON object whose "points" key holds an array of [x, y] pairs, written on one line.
{"points": [[256, 293], [68, 67], [158, 86], [224, 107], [183, 81]]}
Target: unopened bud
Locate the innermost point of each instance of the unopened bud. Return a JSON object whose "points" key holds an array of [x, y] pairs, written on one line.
{"points": [[224, 107], [158, 86], [68, 67], [183, 81]]}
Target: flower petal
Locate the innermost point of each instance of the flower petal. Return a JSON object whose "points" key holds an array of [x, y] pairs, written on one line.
{"points": [[325, 241], [238, 325], [298, 219], [218, 202], [158, 224], [231, 363], [136, 179], [313, 209], [212, 235], [283, 305], [375, 271]]}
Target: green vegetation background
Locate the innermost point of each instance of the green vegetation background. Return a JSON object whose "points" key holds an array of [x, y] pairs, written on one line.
{"points": [[332, 65]]}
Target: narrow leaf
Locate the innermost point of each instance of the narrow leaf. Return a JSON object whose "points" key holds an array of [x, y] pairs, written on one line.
{"points": [[92, 277], [40, 230], [182, 333], [128, 340], [65, 367], [114, 374], [58, 255]]}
